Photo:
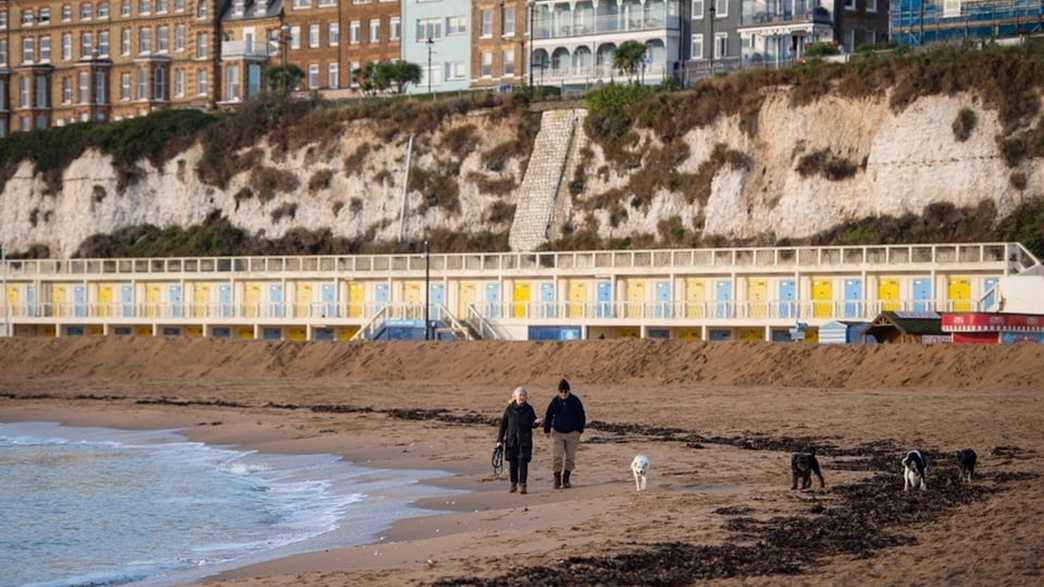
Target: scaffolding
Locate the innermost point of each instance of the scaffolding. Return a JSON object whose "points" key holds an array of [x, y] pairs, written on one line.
{"points": [[920, 22]]}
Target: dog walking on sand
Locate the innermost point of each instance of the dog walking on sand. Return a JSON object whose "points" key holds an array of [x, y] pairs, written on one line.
{"points": [[564, 423]]}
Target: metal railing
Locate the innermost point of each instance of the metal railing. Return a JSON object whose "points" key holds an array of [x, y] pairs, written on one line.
{"points": [[245, 49], [770, 12], [593, 73], [996, 255], [597, 25]]}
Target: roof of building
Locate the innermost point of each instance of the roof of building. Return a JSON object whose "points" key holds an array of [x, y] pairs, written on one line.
{"points": [[272, 8], [916, 323]]}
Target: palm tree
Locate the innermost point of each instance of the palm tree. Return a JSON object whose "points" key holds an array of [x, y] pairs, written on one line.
{"points": [[628, 58]]}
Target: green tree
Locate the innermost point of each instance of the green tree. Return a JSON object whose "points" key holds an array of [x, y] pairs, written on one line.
{"points": [[403, 73], [628, 58], [291, 75]]}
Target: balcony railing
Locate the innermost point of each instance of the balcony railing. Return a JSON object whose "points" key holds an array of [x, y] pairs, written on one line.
{"points": [[761, 13], [244, 49], [603, 25], [609, 311], [595, 73], [748, 259]]}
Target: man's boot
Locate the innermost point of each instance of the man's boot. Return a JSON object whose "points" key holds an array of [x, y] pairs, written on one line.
{"points": [[514, 488], [523, 489], [565, 480], [558, 480]]}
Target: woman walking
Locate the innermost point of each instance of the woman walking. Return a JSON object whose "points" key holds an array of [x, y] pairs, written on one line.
{"points": [[516, 436]]}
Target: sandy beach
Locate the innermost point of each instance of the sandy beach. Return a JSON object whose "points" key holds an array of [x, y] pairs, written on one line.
{"points": [[717, 421]]}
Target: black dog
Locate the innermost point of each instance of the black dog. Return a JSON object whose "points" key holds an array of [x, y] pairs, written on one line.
{"points": [[966, 458], [802, 465]]}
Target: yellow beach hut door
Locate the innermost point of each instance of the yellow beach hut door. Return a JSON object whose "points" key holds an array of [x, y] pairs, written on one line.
{"points": [[105, 301], [577, 298], [520, 300], [153, 298], [822, 298], [200, 300], [958, 292], [757, 300], [252, 301], [465, 299], [888, 294], [635, 298], [694, 298], [357, 299], [303, 302]]}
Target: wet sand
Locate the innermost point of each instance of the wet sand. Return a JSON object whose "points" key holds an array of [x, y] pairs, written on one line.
{"points": [[719, 491]]}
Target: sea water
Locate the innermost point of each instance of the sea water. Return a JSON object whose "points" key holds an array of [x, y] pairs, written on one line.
{"points": [[97, 506]]}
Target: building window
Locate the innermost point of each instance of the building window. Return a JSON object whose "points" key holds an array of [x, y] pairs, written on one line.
{"points": [[299, 4], [232, 76], [3, 21], [125, 8], [179, 5], [201, 9], [508, 62], [721, 45], [375, 30], [333, 34], [313, 36], [179, 83], [487, 24], [333, 75], [456, 25], [27, 18], [871, 6], [850, 41], [721, 8], [327, 2], [125, 36], [45, 49], [44, 17], [86, 45], [66, 46], [144, 6], [237, 7], [142, 85], [355, 74], [84, 89], [23, 92], [41, 91], [86, 11], [161, 6], [201, 45], [850, 5], [162, 39], [66, 91], [27, 50], [103, 10], [507, 21], [3, 61], [144, 41], [697, 9], [313, 76], [179, 38], [429, 28], [253, 80], [486, 64], [103, 43], [159, 82], [125, 85], [456, 70], [353, 32], [101, 91], [201, 82], [295, 37], [396, 28], [697, 47]]}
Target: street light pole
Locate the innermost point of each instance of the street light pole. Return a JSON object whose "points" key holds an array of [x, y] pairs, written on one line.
{"points": [[430, 43], [427, 289], [532, 37], [714, 42], [284, 40]]}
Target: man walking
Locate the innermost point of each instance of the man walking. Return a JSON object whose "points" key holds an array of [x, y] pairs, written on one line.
{"points": [[564, 423]]}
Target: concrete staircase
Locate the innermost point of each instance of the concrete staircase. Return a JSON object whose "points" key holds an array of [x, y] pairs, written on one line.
{"points": [[543, 178]]}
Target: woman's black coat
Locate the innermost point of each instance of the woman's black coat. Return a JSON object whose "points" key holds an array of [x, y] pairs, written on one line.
{"points": [[516, 430]]}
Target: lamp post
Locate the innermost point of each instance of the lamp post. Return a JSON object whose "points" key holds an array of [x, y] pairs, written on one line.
{"points": [[284, 41], [714, 42], [430, 43], [531, 8], [427, 289]]}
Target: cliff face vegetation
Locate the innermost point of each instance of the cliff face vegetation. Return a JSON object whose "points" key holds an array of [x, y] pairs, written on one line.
{"points": [[939, 145]]}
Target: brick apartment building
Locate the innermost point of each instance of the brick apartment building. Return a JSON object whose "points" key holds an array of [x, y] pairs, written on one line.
{"points": [[498, 38]]}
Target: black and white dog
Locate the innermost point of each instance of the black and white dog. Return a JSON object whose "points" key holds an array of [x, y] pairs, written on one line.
{"points": [[916, 471], [640, 468], [802, 465], [966, 458]]}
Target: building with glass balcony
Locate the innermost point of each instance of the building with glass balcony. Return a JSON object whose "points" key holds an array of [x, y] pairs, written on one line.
{"points": [[775, 32], [917, 22], [573, 42]]}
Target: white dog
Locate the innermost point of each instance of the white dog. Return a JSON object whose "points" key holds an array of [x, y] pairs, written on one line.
{"points": [[916, 475], [640, 468]]}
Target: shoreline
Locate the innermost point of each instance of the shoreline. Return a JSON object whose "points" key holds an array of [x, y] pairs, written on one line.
{"points": [[401, 531]]}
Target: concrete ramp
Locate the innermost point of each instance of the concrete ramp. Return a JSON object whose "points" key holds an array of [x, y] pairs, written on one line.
{"points": [[536, 201]]}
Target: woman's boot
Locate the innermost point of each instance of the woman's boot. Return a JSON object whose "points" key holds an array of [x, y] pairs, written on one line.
{"points": [[558, 480], [523, 490], [565, 480]]}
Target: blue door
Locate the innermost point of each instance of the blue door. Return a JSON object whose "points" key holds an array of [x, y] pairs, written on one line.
{"points": [[787, 299], [605, 300], [275, 300], [127, 300], [80, 301], [663, 299], [922, 295], [547, 300], [30, 301], [853, 298], [723, 299], [328, 294], [437, 299], [225, 299], [493, 300], [174, 299], [991, 295], [380, 296]]}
